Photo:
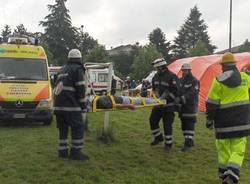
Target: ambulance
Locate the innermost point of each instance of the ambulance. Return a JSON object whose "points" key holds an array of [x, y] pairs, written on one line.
{"points": [[25, 89], [99, 80]]}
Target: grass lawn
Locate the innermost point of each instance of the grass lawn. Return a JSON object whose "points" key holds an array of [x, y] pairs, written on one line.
{"points": [[28, 155]]}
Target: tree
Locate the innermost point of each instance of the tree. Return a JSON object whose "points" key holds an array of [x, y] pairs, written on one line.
{"points": [[199, 49], [124, 60], [97, 55], [142, 64], [193, 30], [245, 47], [21, 31], [85, 42], [157, 37], [60, 35], [6, 32]]}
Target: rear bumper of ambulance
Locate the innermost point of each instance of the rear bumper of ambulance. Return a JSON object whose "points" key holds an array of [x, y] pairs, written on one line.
{"points": [[34, 115]]}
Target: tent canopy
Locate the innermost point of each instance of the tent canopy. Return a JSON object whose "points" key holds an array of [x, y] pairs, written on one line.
{"points": [[205, 69]]}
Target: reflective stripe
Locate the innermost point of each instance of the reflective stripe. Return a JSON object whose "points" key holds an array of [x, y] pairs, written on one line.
{"points": [[212, 101], [168, 136], [156, 130], [62, 75], [234, 104], [63, 147], [170, 104], [77, 147], [172, 95], [232, 129], [187, 85], [68, 88], [188, 137], [169, 142], [164, 84], [77, 141], [156, 135], [183, 99], [63, 141], [230, 172], [67, 108], [233, 165], [188, 132], [189, 115], [80, 83]]}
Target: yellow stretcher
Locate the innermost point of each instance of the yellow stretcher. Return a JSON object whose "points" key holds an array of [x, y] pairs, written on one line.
{"points": [[138, 102]]}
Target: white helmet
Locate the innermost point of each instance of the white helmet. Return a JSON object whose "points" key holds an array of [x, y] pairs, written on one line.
{"points": [[74, 53], [186, 66], [159, 62]]}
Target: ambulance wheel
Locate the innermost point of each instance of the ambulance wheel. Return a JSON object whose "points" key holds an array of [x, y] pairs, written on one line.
{"points": [[48, 122]]}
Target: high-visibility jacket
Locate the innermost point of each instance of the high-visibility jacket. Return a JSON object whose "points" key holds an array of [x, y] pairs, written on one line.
{"points": [[70, 89], [228, 105]]}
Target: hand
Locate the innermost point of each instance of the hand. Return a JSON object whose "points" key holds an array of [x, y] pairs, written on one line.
{"points": [[210, 124]]}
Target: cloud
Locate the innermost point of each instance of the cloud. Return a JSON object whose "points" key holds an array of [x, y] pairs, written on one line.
{"points": [[115, 22]]}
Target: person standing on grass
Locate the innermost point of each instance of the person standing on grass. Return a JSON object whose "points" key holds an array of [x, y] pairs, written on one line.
{"points": [[70, 102], [189, 94], [227, 111], [165, 86]]}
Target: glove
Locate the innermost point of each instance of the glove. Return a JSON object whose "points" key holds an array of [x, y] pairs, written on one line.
{"points": [[210, 124]]}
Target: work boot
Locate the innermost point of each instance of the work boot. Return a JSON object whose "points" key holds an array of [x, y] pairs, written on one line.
{"points": [[63, 154], [189, 143], [228, 180], [157, 141], [168, 147], [78, 155], [186, 148]]}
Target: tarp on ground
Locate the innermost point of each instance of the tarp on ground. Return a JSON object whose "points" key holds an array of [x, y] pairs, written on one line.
{"points": [[206, 68]]}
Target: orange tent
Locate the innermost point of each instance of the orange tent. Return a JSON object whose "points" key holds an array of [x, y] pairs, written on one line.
{"points": [[205, 69]]}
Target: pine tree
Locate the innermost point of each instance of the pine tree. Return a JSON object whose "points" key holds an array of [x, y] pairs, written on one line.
{"points": [[157, 37], [6, 32], [60, 34], [193, 30]]}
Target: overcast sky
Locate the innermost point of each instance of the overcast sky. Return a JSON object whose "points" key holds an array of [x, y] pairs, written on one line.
{"points": [[116, 22]]}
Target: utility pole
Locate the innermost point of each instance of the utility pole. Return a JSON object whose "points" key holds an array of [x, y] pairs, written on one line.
{"points": [[82, 26], [230, 26]]}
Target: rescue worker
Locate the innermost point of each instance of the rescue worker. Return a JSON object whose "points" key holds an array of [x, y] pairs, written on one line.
{"points": [[164, 86], [227, 110], [69, 105], [189, 93]]}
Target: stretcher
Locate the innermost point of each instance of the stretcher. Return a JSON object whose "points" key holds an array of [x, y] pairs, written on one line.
{"points": [[138, 102]]}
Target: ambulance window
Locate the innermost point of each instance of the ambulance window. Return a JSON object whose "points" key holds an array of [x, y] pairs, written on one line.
{"points": [[23, 69], [92, 77], [103, 77]]}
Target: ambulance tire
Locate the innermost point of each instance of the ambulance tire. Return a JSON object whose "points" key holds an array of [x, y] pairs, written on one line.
{"points": [[48, 122]]}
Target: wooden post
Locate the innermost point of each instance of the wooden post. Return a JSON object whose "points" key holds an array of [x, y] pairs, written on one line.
{"points": [[106, 123]]}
